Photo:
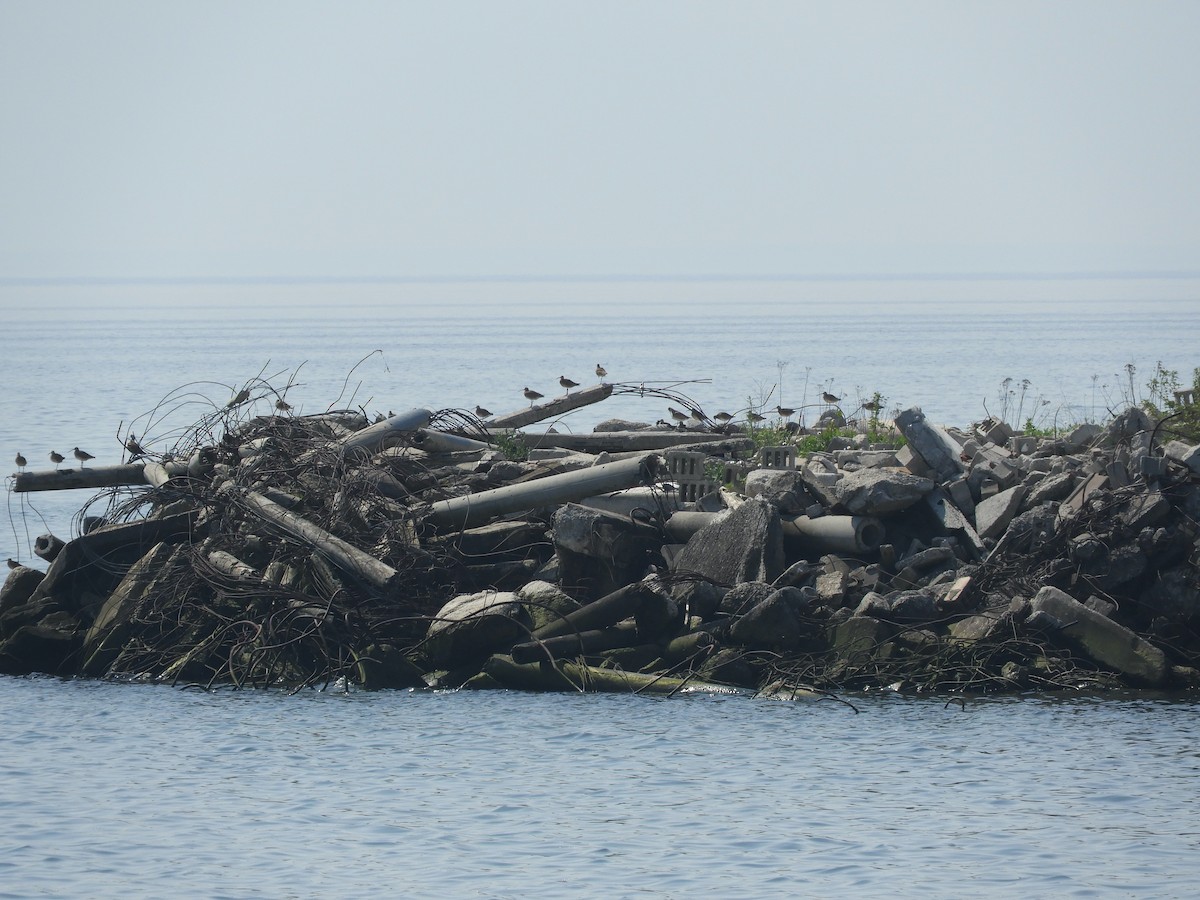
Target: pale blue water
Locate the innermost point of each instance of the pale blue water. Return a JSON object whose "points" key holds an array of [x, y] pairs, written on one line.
{"points": [[140, 791]]}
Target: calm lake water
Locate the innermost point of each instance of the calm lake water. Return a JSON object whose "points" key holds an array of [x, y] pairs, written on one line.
{"points": [[141, 791]]}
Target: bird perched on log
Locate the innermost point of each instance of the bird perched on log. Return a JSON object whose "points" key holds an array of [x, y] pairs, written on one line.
{"points": [[20, 461], [482, 413], [239, 398], [81, 455], [601, 372], [567, 383], [532, 395], [134, 448], [56, 458], [829, 398]]}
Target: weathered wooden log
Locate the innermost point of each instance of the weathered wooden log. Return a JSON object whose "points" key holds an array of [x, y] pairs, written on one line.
{"points": [[384, 434], [475, 508], [550, 408], [568, 676], [344, 555], [75, 479], [633, 441]]}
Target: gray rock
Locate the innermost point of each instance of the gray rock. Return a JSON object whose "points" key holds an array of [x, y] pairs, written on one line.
{"points": [[476, 624], [545, 603], [858, 638], [993, 514], [1100, 638], [741, 598], [771, 623], [1176, 594], [747, 545], [1185, 454], [1050, 488], [877, 492]]}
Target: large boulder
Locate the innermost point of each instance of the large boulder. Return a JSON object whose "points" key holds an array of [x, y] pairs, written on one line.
{"points": [[877, 492], [746, 545], [476, 625]]}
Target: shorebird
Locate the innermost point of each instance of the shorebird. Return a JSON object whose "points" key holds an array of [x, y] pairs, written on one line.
{"points": [[240, 397], [567, 383], [20, 461], [698, 415], [81, 455], [13, 564], [600, 371], [134, 448], [282, 405], [723, 417], [785, 411], [752, 416], [829, 398], [482, 413], [678, 416], [532, 395], [872, 406], [56, 458]]}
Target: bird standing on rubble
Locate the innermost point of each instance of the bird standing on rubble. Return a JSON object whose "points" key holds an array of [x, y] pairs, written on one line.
{"points": [[81, 455], [532, 395], [601, 372], [752, 416], [872, 406], [482, 413], [829, 398], [567, 383], [678, 416], [785, 411], [56, 458]]}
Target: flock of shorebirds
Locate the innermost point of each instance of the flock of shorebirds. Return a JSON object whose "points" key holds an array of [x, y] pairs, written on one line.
{"points": [[680, 418], [131, 445]]}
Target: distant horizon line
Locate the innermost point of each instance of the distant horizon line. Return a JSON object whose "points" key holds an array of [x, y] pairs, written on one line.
{"points": [[626, 278]]}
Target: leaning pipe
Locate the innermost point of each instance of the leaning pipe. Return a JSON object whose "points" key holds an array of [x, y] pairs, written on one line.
{"points": [[472, 509]]}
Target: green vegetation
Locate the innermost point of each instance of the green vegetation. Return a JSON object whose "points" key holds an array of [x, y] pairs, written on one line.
{"points": [[1162, 402], [513, 447]]}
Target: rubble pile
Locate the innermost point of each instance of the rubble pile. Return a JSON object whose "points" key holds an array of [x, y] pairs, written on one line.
{"points": [[438, 550]]}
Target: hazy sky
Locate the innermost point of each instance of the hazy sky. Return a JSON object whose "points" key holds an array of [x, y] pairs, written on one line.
{"points": [[160, 139]]}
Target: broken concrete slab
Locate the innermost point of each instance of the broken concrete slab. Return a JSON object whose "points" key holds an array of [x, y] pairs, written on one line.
{"points": [[1100, 638], [993, 514], [932, 443], [747, 545], [878, 492]]}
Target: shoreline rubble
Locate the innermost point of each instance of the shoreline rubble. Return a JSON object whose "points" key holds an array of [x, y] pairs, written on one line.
{"points": [[436, 550]]}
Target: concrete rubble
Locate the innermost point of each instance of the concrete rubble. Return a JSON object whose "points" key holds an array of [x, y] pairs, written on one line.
{"points": [[438, 550]]}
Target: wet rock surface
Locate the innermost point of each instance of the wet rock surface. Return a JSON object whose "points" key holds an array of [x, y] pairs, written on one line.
{"points": [[414, 551]]}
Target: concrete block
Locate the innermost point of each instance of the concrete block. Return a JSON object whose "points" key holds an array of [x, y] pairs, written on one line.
{"points": [[994, 430], [877, 492], [777, 457], [1078, 497]]}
